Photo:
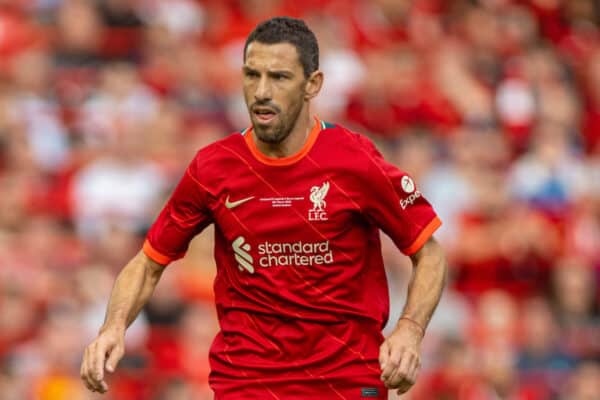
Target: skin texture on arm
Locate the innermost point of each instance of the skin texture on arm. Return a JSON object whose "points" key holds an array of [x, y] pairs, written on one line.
{"points": [[132, 289], [399, 355]]}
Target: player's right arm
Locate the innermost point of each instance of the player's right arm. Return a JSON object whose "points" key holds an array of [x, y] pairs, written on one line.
{"points": [[132, 290], [184, 216]]}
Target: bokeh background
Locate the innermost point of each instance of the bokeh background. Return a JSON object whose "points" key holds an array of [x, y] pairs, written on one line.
{"points": [[492, 105]]}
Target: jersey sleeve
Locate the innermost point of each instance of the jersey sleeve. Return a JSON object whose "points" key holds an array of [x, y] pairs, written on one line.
{"points": [[184, 216], [393, 202]]}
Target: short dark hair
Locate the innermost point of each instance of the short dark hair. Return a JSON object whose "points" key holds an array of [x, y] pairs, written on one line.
{"points": [[289, 30]]}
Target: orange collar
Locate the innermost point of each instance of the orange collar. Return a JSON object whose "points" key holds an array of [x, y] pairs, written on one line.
{"points": [[310, 141]]}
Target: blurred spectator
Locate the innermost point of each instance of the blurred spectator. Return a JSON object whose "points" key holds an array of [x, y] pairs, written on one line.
{"points": [[92, 288], [550, 175], [122, 35], [541, 361], [454, 375], [79, 33], [118, 189], [576, 300], [121, 102], [591, 95], [584, 383], [178, 389], [35, 110]]}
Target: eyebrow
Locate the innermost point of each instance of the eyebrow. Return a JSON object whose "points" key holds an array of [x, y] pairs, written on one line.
{"points": [[284, 72], [248, 69]]}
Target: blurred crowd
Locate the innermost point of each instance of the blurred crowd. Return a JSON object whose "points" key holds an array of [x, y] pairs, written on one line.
{"points": [[492, 105]]}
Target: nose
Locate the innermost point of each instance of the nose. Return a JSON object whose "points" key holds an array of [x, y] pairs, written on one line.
{"points": [[263, 90]]}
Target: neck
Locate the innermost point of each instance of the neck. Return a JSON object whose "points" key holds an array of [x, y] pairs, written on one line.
{"points": [[292, 143]]}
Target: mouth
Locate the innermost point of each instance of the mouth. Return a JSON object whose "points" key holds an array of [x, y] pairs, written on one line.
{"points": [[264, 114]]}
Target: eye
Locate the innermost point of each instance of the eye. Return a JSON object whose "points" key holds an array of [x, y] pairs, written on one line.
{"points": [[251, 74], [279, 77]]}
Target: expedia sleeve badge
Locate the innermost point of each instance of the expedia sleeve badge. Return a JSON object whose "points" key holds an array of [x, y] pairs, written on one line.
{"points": [[408, 186]]}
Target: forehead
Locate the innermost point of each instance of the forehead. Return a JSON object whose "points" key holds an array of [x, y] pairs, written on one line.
{"points": [[272, 56]]}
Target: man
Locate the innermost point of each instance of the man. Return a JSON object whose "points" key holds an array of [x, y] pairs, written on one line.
{"points": [[297, 204]]}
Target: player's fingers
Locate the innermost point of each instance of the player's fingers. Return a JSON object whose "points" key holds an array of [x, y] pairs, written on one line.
{"points": [[405, 375], [406, 363], [384, 354], [83, 371], [88, 374], [392, 364], [403, 387], [388, 371], [415, 369], [396, 378], [114, 357], [99, 352], [411, 378], [100, 386]]}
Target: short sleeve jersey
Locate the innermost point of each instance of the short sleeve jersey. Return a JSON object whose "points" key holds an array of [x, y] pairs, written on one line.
{"points": [[300, 290]]}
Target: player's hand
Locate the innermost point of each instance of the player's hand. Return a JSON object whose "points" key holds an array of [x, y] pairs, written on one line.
{"points": [[400, 357], [103, 353]]}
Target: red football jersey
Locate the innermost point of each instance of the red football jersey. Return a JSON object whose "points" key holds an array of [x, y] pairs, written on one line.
{"points": [[300, 291]]}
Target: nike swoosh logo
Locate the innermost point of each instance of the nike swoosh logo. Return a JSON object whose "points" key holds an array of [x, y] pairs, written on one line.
{"points": [[233, 204]]}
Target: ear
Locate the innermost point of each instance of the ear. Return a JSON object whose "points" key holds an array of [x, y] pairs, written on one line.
{"points": [[313, 85]]}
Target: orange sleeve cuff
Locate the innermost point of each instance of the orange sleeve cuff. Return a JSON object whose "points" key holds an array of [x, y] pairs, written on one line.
{"points": [[155, 255], [423, 237]]}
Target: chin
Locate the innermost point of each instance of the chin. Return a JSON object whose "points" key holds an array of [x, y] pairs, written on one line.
{"points": [[269, 134], [267, 138]]}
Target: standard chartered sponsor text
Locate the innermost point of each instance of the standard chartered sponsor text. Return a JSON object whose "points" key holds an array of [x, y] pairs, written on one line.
{"points": [[274, 254]]}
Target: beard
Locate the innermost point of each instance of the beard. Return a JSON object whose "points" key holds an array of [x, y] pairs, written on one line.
{"points": [[277, 133], [272, 135]]}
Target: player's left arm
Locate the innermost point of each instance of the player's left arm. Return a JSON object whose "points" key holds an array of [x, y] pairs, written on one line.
{"points": [[397, 207], [400, 355]]}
